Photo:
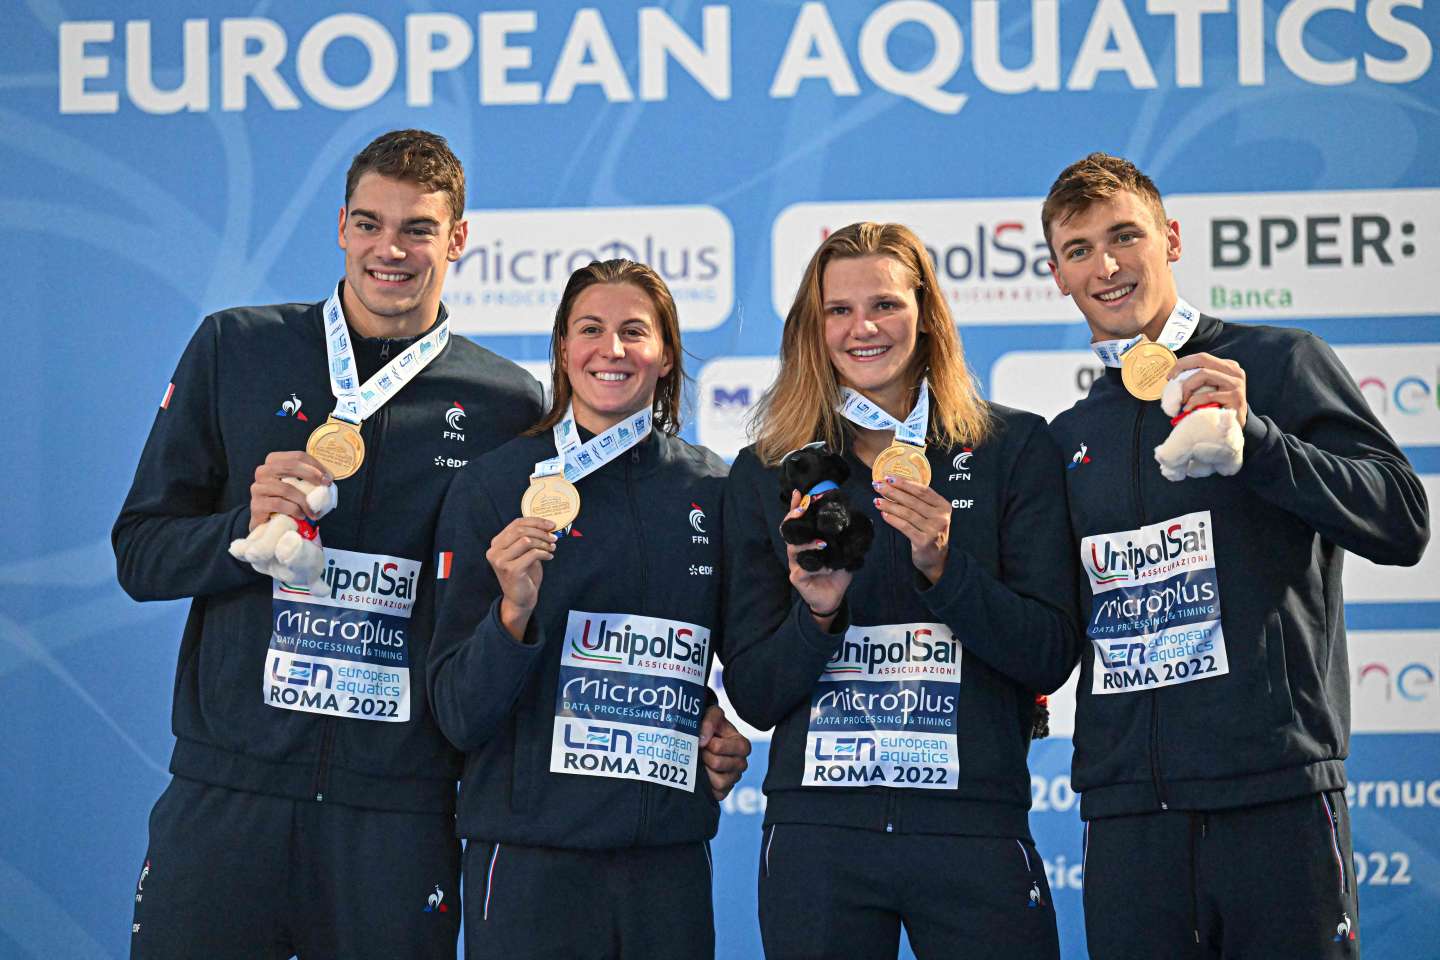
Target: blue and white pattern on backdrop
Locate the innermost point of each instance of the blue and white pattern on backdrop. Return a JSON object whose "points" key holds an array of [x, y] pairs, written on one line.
{"points": [[167, 159]]}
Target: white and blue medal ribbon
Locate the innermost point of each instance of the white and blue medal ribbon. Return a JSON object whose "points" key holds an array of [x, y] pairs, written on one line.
{"points": [[1177, 330], [865, 413], [356, 402], [575, 460]]}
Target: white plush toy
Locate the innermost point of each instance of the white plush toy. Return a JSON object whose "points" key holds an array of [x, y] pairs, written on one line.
{"points": [[1204, 441], [290, 551]]}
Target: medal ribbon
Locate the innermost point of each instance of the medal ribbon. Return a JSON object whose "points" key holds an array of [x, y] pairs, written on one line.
{"points": [[866, 413], [356, 402], [1178, 327], [576, 460]]}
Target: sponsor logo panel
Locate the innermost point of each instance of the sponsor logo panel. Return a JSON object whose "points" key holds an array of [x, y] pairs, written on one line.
{"points": [[1395, 681], [630, 698], [512, 274], [1047, 382], [884, 711], [729, 389], [1313, 254], [1401, 382], [990, 255]]}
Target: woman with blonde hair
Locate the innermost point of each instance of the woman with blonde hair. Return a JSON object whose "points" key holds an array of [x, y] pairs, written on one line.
{"points": [[902, 694]]}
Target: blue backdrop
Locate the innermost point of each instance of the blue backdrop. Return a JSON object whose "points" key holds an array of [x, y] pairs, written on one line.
{"points": [[164, 160]]}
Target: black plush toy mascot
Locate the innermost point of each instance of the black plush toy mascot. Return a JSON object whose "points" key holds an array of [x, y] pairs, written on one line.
{"points": [[817, 473]]}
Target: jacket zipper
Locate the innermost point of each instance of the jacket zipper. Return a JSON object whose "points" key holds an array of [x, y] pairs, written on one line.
{"points": [[643, 825], [896, 573], [1154, 694], [372, 451]]}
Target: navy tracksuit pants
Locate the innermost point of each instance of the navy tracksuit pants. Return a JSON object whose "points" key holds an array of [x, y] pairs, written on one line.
{"points": [[230, 874], [1269, 882], [549, 903], [831, 892]]}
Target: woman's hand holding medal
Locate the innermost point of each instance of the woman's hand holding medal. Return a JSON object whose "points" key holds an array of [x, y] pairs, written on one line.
{"points": [[922, 516], [516, 555], [822, 590]]}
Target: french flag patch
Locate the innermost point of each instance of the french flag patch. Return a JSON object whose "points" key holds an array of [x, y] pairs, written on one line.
{"points": [[442, 564], [169, 392]]}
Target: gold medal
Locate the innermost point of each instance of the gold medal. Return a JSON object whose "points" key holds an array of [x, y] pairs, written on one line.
{"points": [[903, 461], [338, 446], [1145, 369], [553, 498]]}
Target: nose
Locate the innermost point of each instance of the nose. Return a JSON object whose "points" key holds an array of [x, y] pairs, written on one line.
{"points": [[864, 325], [614, 346], [1108, 266]]}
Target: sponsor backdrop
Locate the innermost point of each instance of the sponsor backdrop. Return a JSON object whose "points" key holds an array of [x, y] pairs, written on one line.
{"points": [[168, 159]]}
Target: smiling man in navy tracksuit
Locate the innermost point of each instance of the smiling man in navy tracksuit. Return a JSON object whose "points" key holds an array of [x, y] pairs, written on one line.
{"points": [[1213, 720], [312, 805]]}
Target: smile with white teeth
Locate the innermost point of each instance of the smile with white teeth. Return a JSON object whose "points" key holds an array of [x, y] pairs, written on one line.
{"points": [[389, 277], [610, 376], [866, 352], [1115, 294]]}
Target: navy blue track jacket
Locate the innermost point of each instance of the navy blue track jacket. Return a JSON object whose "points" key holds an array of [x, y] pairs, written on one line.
{"points": [[191, 497], [1320, 477], [646, 544], [1006, 594]]}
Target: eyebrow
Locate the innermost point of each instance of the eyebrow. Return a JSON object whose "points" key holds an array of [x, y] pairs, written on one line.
{"points": [[884, 295], [591, 316], [372, 215], [1110, 230]]}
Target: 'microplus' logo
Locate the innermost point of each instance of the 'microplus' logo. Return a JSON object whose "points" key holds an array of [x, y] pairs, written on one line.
{"points": [[512, 280]]}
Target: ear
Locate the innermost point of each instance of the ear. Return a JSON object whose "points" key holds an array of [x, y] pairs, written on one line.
{"points": [[669, 363], [1172, 241], [340, 229], [458, 236], [1059, 281]]}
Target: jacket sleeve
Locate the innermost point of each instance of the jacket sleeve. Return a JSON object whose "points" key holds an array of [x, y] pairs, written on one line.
{"points": [[774, 650], [172, 538], [477, 670], [1023, 623], [1333, 465]]}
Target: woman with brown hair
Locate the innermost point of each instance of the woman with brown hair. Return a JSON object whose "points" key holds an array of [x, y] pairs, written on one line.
{"points": [[902, 695], [578, 615]]}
